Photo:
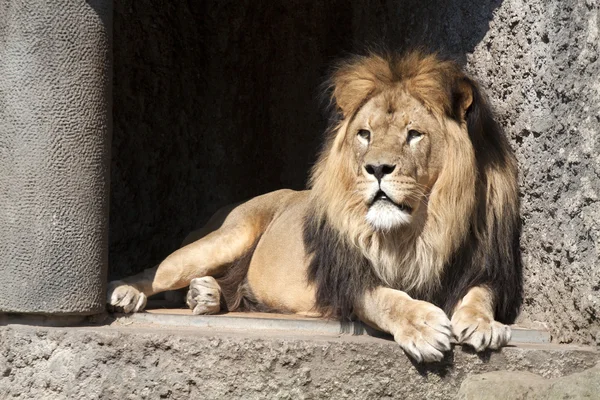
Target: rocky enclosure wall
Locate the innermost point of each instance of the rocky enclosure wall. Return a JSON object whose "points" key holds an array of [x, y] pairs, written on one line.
{"points": [[216, 101], [540, 63]]}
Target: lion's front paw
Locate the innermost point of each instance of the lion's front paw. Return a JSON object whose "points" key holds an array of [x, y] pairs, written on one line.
{"points": [[424, 333], [473, 328], [204, 296], [122, 297]]}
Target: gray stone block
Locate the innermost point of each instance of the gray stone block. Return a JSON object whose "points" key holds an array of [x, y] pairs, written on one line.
{"points": [[511, 385], [148, 362], [502, 385]]}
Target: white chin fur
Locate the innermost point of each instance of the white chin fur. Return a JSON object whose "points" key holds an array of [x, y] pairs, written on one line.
{"points": [[385, 216]]}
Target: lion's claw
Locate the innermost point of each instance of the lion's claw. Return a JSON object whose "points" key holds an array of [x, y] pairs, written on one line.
{"points": [[124, 298], [478, 331], [427, 333]]}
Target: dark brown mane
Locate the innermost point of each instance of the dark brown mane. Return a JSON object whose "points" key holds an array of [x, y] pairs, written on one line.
{"points": [[342, 273], [492, 251]]}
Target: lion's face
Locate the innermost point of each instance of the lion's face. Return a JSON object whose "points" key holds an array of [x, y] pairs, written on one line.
{"points": [[399, 166], [398, 147]]}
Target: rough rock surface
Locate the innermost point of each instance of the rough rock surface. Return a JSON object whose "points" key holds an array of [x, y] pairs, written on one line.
{"points": [[149, 363], [215, 102]]}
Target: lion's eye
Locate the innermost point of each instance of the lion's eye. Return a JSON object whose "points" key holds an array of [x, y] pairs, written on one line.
{"points": [[364, 134], [412, 135]]}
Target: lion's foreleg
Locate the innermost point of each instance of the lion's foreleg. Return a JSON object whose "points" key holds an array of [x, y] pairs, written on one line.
{"points": [[473, 321], [420, 328]]}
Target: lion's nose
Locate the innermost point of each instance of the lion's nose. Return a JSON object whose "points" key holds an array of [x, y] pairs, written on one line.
{"points": [[379, 171]]}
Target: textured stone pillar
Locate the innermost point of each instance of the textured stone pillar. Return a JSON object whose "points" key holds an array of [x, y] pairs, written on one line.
{"points": [[55, 126]]}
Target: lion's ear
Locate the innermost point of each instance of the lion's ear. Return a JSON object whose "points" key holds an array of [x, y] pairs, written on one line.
{"points": [[349, 93], [463, 97], [357, 79]]}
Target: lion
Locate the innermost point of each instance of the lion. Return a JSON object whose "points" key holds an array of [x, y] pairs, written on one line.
{"points": [[410, 224]]}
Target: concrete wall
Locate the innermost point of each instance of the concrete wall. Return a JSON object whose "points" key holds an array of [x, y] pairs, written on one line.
{"points": [[216, 101]]}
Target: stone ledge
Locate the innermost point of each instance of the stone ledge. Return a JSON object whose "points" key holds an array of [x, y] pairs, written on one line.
{"points": [[114, 360], [271, 321]]}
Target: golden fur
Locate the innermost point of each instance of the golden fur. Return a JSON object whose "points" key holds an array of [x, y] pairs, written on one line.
{"points": [[413, 202]]}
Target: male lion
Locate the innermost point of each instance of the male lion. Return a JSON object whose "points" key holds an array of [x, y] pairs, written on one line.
{"points": [[413, 206]]}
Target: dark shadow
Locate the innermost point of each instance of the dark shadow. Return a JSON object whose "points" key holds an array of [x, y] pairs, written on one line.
{"points": [[484, 356], [55, 320], [441, 368], [452, 27], [216, 101]]}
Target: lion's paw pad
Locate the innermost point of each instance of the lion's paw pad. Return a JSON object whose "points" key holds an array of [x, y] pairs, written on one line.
{"points": [[204, 296]]}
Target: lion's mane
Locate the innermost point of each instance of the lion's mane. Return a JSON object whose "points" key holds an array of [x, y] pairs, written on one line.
{"points": [[471, 234]]}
